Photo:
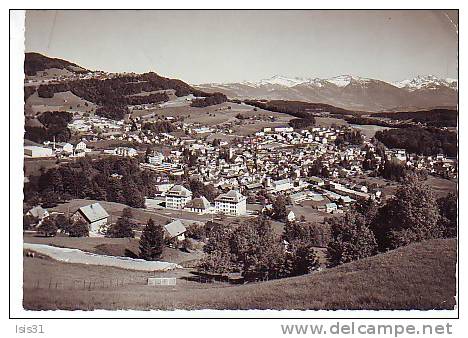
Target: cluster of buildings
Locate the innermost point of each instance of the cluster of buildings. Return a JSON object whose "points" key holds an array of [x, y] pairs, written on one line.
{"points": [[52, 149], [98, 219], [231, 203]]}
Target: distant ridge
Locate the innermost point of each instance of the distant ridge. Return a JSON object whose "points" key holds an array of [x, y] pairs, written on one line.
{"points": [[347, 91], [35, 62]]}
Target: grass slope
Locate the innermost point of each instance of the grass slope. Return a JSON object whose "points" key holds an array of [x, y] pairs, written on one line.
{"points": [[419, 276]]}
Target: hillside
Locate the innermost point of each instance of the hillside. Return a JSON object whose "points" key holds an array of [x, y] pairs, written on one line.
{"points": [[419, 276], [349, 92], [35, 62]]}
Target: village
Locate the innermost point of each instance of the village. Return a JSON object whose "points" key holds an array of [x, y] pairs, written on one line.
{"points": [[317, 175]]}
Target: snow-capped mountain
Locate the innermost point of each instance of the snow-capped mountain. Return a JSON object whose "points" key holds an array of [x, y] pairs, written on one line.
{"points": [[277, 80], [347, 91], [426, 82]]}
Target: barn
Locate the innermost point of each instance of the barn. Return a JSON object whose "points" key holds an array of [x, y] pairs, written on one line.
{"points": [[93, 214]]}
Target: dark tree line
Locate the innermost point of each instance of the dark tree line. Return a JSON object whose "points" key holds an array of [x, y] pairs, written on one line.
{"points": [[296, 108], [349, 136], [211, 100], [422, 141], [434, 117], [112, 179], [115, 94], [35, 62], [159, 127], [55, 125]]}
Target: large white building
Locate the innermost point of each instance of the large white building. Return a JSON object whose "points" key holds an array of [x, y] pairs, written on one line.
{"points": [[36, 151], [177, 197], [231, 203]]}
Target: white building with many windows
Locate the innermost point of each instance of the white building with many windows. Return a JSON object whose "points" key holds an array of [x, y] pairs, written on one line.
{"points": [[231, 203], [177, 197]]}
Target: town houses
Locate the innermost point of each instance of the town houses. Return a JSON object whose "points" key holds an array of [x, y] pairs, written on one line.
{"points": [[307, 166]]}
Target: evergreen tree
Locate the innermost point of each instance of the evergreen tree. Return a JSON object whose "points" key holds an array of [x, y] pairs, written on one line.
{"points": [[152, 241], [123, 228]]}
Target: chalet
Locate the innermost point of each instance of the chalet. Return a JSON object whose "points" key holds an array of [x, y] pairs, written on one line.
{"points": [[177, 197], [231, 203], [299, 197], [94, 215], [200, 205], [176, 230], [38, 213]]}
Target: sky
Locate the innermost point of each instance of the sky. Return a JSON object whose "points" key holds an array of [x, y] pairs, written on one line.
{"points": [[233, 46]]}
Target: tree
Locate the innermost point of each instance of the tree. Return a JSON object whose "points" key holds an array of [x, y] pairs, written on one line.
{"points": [[315, 234], [29, 221], [152, 241], [63, 223], [368, 208], [301, 258], [79, 228], [123, 228], [279, 208], [352, 239], [448, 214], [412, 215], [48, 227], [218, 257], [257, 251]]}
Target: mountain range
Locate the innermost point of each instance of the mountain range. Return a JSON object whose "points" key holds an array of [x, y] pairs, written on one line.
{"points": [[346, 91]]}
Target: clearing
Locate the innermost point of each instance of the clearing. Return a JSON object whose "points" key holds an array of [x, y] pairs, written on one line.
{"points": [[420, 276]]}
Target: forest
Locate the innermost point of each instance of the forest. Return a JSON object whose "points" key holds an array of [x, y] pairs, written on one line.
{"points": [[35, 62], [213, 99], [434, 117], [115, 94], [55, 125], [114, 179], [422, 141]]}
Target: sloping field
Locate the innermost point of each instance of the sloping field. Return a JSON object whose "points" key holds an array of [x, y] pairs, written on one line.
{"points": [[419, 276], [77, 256], [64, 101]]}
